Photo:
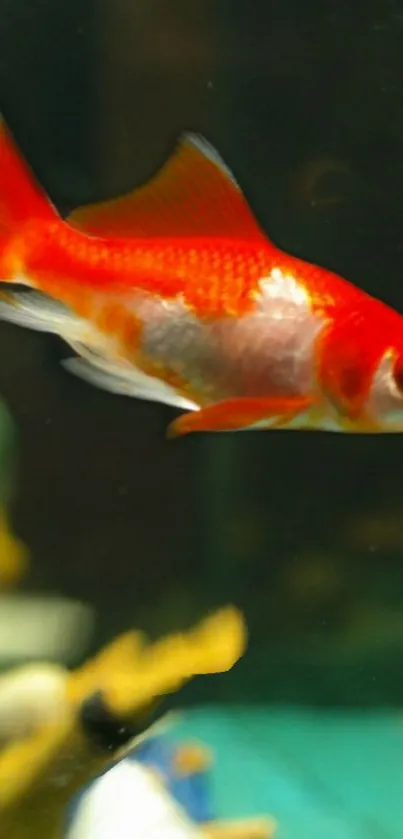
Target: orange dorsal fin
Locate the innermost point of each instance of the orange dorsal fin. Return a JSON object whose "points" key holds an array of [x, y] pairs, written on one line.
{"points": [[193, 195]]}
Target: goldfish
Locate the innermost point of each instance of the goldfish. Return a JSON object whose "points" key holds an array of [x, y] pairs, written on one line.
{"points": [[174, 293]]}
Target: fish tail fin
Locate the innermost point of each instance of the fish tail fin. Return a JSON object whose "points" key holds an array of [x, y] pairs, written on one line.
{"points": [[21, 198]]}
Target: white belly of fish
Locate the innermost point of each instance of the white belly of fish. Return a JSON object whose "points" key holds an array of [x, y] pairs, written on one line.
{"points": [[271, 351]]}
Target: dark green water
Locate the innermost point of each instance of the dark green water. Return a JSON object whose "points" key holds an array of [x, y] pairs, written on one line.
{"points": [[304, 532]]}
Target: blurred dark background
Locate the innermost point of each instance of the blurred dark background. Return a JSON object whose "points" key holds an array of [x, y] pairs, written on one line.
{"points": [[305, 532]]}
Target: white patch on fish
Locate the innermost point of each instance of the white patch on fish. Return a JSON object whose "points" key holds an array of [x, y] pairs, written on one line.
{"points": [[285, 287], [267, 352]]}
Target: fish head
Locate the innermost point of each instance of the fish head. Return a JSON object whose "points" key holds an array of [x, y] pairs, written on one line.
{"points": [[385, 399]]}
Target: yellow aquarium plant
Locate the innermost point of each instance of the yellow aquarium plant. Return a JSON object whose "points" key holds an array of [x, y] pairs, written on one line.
{"points": [[43, 762]]}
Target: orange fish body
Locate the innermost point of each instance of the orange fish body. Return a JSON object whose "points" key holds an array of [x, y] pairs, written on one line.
{"points": [[174, 294]]}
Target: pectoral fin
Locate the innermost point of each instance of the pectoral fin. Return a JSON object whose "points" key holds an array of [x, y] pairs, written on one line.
{"points": [[241, 414], [38, 311]]}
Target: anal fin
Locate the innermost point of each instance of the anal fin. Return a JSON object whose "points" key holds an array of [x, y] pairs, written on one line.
{"points": [[122, 378]]}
